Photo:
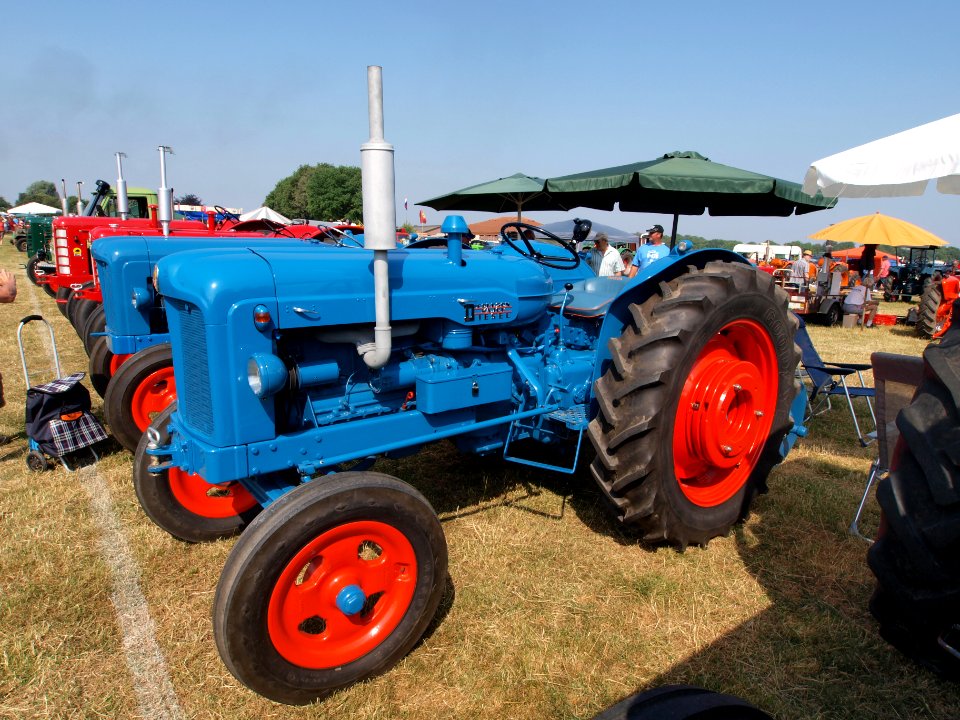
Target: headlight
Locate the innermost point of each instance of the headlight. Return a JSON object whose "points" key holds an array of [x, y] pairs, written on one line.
{"points": [[266, 374]]}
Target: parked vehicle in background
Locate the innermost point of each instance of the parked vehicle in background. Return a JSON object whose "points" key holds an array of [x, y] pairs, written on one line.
{"points": [[910, 277]]}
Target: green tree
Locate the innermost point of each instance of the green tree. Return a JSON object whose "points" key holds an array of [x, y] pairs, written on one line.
{"points": [[319, 192], [4, 203], [188, 199], [41, 191]]}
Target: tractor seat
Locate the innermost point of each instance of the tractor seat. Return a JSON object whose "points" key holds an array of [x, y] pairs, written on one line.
{"points": [[589, 298]]}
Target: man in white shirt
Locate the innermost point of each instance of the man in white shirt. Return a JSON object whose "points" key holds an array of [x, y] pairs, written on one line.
{"points": [[605, 260]]}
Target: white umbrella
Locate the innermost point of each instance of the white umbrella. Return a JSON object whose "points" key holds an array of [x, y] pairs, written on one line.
{"points": [[34, 208], [894, 166], [265, 213]]}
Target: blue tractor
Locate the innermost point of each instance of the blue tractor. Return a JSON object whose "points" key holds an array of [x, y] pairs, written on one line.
{"points": [[295, 371]]}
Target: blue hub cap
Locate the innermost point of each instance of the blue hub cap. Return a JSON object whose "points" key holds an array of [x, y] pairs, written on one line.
{"points": [[350, 600]]}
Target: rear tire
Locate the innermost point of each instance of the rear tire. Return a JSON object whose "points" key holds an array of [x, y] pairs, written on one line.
{"points": [[138, 391], [927, 311], [682, 702], [916, 558], [22, 244], [185, 505], [695, 402]]}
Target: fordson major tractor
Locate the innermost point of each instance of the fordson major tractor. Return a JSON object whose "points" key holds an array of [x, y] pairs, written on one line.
{"points": [[295, 370]]}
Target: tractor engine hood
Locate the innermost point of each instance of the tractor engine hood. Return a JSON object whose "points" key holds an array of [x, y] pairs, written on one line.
{"points": [[306, 289]]}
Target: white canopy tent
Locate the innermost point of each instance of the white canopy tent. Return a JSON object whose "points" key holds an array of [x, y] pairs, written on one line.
{"points": [[265, 213], [34, 208], [895, 166]]}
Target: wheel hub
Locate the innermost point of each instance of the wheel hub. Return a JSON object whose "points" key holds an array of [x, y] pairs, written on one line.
{"points": [[342, 594], [725, 413]]}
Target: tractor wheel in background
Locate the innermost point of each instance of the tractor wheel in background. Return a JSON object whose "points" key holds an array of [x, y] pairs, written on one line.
{"points": [[138, 391], [679, 702], [73, 305], [63, 296], [927, 311], [33, 275], [334, 583], [695, 403], [31, 268], [184, 504], [96, 322], [22, 244], [103, 365], [916, 558], [834, 314], [85, 308]]}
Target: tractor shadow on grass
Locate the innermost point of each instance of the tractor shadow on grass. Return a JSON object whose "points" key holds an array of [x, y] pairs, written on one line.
{"points": [[815, 651]]}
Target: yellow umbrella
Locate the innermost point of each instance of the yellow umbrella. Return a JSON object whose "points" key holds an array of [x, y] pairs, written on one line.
{"points": [[879, 229]]}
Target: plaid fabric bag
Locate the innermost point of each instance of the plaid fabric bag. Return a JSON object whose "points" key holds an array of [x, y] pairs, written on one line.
{"points": [[58, 416]]}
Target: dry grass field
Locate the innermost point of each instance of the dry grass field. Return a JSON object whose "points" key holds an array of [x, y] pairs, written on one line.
{"points": [[551, 611]]}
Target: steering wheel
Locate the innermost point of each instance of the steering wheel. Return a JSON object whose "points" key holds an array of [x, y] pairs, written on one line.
{"points": [[527, 250], [227, 215]]}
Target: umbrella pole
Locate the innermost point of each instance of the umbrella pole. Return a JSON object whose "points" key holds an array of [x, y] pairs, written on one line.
{"points": [[673, 233]]}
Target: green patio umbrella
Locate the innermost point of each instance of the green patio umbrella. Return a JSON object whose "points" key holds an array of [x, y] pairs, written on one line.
{"points": [[684, 183], [518, 192]]}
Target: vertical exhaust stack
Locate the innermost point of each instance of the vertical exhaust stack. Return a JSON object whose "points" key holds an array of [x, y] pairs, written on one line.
{"points": [[123, 204], [79, 197], [165, 194], [379, 217], [63, 197]]}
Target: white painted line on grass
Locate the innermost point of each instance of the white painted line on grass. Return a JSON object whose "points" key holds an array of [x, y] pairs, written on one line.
{"points": [[151, 681]]}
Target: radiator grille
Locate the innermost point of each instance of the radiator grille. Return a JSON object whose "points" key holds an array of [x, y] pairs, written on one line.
{"points": [[193, 389]]}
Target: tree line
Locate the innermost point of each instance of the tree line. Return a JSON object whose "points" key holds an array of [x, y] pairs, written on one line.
{"points": [[333, 192]]}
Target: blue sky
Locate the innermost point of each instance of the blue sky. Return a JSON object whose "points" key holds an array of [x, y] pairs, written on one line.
{"points": [[245, 92]]}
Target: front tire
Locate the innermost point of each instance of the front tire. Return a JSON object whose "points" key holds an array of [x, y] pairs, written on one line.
{"points": [[184, 504], [695, 402], [139, 390], [333, 584]]}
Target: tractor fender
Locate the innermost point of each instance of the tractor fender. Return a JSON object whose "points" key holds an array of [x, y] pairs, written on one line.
{"points": [[644, 284]]}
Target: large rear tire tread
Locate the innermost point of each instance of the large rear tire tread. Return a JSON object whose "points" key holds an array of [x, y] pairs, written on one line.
{"points": [[927, 311], [638, 398], [916, 558], [267, 548]]}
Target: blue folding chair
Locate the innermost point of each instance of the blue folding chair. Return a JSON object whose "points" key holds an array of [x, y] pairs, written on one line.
{"points": [[829, 379]]}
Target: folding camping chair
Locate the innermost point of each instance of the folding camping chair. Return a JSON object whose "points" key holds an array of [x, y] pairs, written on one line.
{"points": [[828, 379], [895, 379]]}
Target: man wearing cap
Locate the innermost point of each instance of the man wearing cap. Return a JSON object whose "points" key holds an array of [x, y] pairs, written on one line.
{"points": [[604, 259], [651, 252], [802, 269]]}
